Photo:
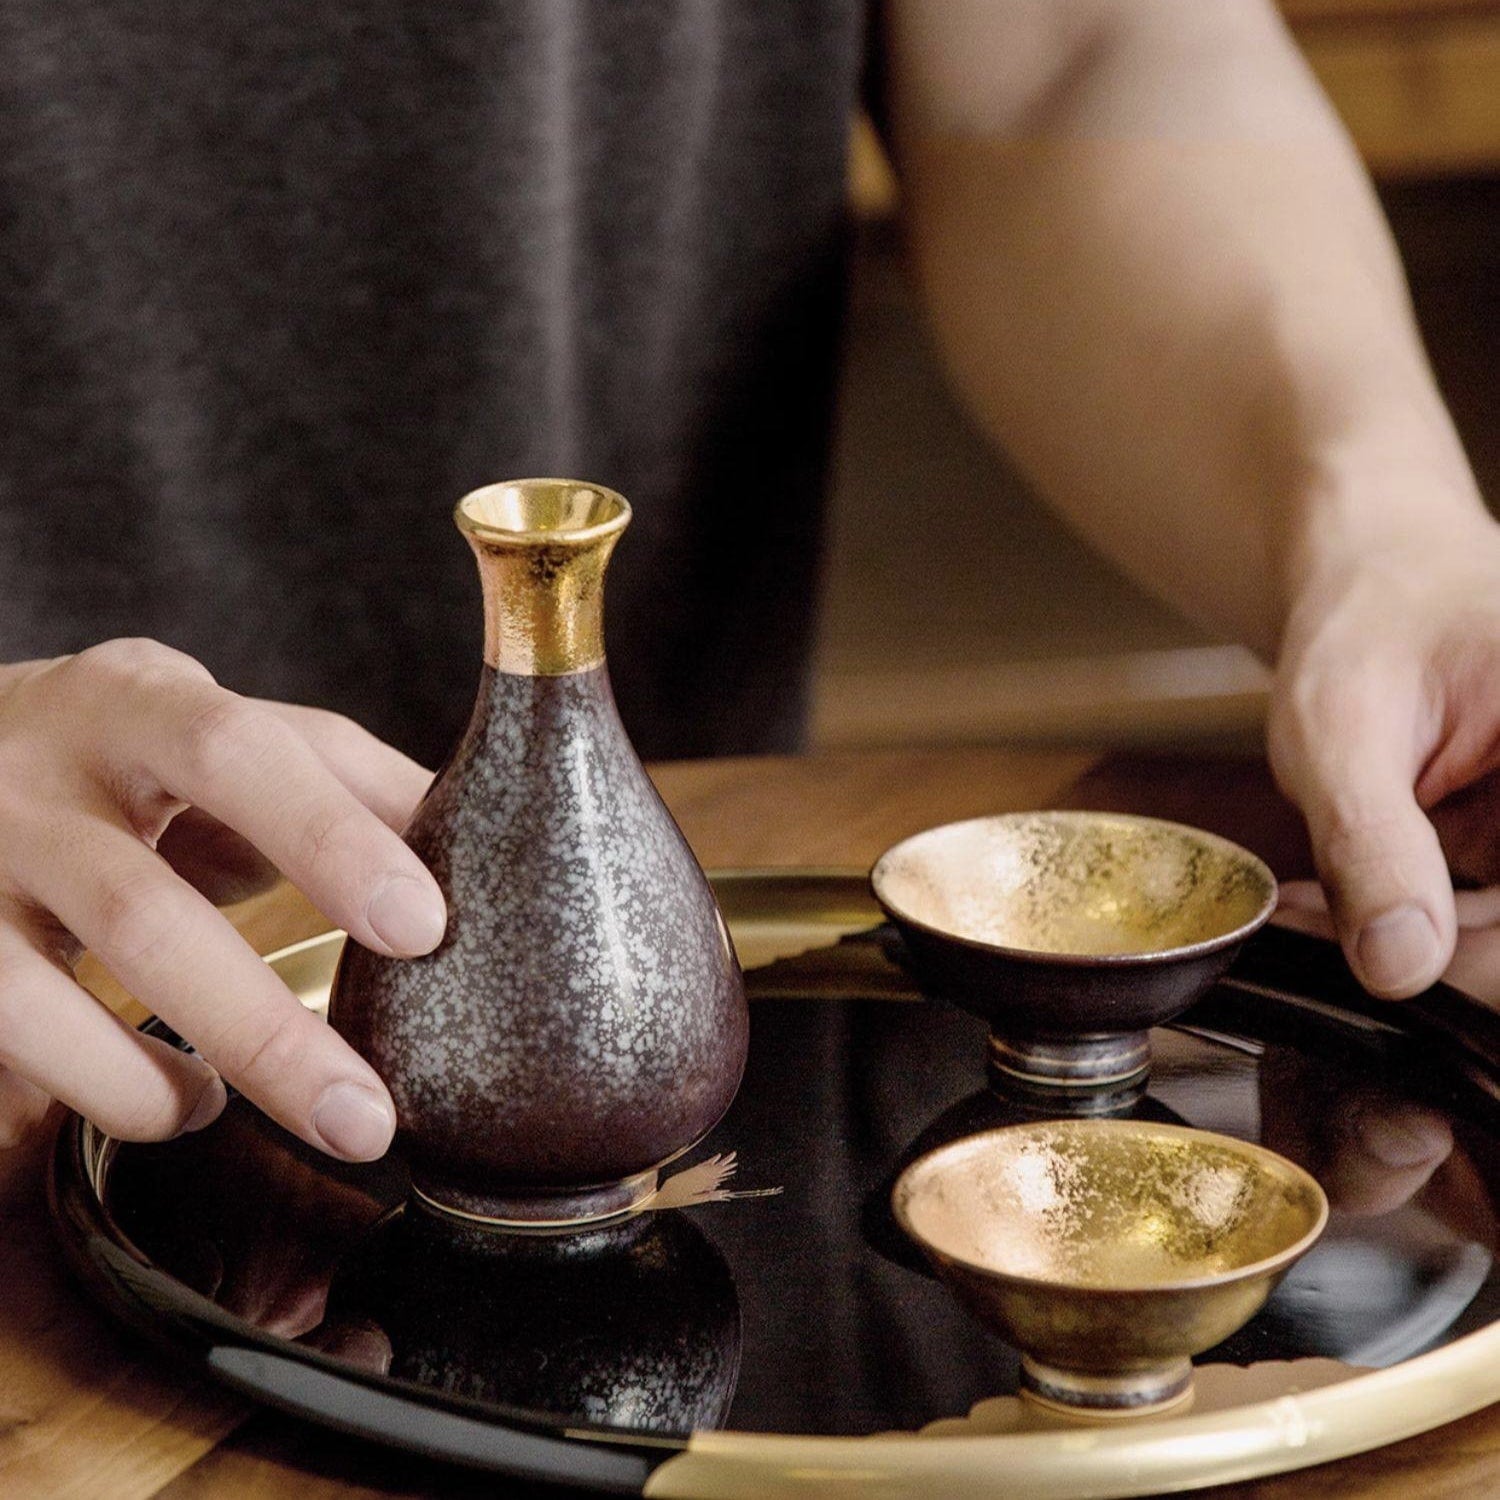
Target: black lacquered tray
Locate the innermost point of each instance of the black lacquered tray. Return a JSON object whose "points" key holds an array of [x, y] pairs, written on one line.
{"points": [[793, 1344]]}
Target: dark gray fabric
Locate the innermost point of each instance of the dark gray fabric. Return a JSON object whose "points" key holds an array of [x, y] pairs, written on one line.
{"points": [[279, 281]]}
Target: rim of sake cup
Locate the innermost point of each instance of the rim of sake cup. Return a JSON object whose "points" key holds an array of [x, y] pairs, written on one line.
{"points": [[1199, 949], [1263, 1156]]}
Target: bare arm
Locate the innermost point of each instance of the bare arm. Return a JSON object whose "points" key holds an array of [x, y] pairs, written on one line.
{"points": [[1160, 277]]}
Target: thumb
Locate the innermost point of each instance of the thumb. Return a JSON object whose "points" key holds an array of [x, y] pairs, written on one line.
{"points": [[1352, 774]]}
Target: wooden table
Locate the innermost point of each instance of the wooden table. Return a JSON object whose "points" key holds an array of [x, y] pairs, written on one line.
{"points": [[85, 1413]]}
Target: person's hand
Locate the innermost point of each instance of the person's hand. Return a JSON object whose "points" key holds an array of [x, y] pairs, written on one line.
{"points": [[1370, 1149], [262, 1240], [133, 792], [1385, 721]]}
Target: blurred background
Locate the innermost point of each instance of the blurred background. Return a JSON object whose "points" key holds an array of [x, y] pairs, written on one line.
{"points": [[990, 619]]}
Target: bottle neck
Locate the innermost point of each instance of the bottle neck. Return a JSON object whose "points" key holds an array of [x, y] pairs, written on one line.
{"points": [[543, 605]]}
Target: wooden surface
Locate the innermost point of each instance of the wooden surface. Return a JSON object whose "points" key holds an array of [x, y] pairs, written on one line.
{"points": [[1416, 81], [1418, 85], [1310, 12], [85, 1413]]}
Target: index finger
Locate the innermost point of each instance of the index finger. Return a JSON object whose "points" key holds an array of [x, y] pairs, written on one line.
{"points": [[246, 766], [180, 955], [1348, 754]]}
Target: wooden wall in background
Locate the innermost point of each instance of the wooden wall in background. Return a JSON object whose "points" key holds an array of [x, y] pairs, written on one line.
{"points": [[1417, 81]]}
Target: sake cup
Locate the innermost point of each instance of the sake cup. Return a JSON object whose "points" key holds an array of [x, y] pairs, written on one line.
{"points": [[1109, 1252], [1071, 933]]}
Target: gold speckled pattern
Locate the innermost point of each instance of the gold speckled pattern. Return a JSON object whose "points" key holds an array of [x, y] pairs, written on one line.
{"points": [[1075, 883], [1108, 1204], [543, 546], [1109, 1251]]}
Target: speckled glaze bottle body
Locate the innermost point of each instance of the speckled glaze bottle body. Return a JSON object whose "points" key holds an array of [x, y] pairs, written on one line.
{"points": [[584, 1020]]}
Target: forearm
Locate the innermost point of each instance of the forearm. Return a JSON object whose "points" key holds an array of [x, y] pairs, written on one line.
{"points": [[1160, 279]]}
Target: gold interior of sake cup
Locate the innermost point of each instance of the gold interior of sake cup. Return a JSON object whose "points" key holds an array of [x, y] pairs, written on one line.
{"points": [[1113, 1248], [525, 512], [1076, 887], [1109, 1205]]}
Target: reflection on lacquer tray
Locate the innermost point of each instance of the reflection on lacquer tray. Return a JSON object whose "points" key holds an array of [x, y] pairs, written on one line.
{"points": [[1409, 1246], [634, 1325]]}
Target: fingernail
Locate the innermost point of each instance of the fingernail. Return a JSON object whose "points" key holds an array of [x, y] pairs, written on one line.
{"points": [[1398, 951], [1397, 1142], [354, 1122], [407, 915], [364, 1345], [209, 1107], [1301, 895]]}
